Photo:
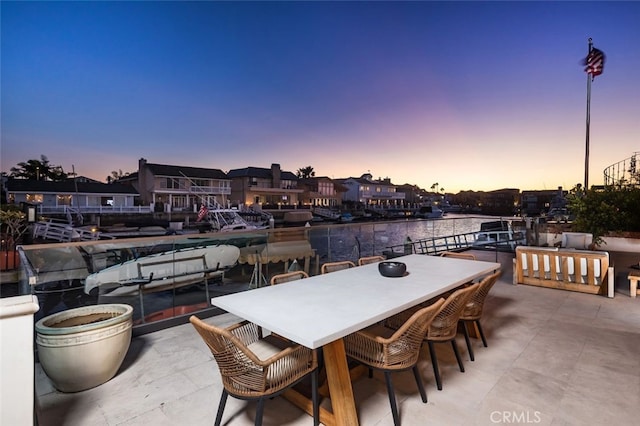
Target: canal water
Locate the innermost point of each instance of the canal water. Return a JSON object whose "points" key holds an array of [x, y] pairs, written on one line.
{"points": [[351, 241]]}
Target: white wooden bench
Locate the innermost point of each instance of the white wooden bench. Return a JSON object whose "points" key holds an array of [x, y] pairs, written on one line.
{"points": [[584, 271]]}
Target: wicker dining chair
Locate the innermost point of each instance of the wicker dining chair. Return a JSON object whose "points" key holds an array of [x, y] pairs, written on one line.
{"points": [[389, 350], [472, 311], [370, 259], [288, 276], [444, 327], [257, 369], [336, 266], [457, 255]]}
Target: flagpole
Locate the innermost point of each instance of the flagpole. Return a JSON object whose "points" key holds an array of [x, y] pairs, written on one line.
{"points": [[586, 155]]}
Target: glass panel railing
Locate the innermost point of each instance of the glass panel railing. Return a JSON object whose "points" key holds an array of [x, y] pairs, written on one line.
{"points": [[170, 276]]}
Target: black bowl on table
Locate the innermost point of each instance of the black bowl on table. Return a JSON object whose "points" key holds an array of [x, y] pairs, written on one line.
{"points": [[392, 269]]}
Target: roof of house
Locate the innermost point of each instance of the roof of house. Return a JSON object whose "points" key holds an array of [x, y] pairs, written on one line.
{"points": [[259, 172], [68, 187], [181, 171], [364, 180]]}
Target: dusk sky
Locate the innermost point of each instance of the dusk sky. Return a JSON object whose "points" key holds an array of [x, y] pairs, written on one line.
{"points": [[472, 95]]}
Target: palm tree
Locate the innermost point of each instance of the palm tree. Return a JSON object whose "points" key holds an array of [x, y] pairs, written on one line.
{"points": [[306, 172]]}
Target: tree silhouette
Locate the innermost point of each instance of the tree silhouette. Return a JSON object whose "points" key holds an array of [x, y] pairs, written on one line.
{"points": [[38, 170], [306, 172], [115, 175]]}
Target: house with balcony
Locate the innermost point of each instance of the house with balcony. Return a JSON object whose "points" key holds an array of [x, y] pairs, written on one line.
{"points": [[170, 188], [271, 188], [372, 192], [321, 192]]}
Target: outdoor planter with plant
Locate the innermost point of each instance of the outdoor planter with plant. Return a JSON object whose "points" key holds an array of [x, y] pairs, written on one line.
{"points": [[611, 212]]}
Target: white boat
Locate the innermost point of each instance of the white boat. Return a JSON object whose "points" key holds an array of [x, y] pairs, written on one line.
{"points": [[430, 212], [162, 271], [498, 235], [225, 219], [325, 213], [448, 208]]}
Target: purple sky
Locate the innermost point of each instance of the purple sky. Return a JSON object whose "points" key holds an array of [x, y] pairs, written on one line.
{"points": [[472, 95]]}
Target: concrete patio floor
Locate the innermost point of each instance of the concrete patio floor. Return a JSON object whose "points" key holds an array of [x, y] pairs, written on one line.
{"points": [[554, 358]]}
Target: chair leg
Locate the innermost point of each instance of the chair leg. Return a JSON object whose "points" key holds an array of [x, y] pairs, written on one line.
{"points": [[392, 398], [259, 412], [484, 341], [457, 353], [466, 339], [314, 398], [371, 373], [223, 402], [434, 363], [416, 374]]}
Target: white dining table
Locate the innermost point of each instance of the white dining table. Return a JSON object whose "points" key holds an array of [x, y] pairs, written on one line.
{"points": [[319, 311]]}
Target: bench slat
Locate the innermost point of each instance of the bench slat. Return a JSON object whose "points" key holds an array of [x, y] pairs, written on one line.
{"points": [[575, 270]]}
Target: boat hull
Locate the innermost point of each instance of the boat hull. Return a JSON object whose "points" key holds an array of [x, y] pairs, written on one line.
{"points": [[162, 271]]}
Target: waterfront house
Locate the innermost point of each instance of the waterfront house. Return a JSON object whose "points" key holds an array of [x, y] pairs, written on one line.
{"points": [[534, 203], [171, 188], [85, 195], [271, 188], [321, 192], [372, 192], [416, 196]]}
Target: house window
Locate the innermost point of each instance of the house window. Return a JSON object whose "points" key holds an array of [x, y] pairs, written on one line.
{"points": [[199, 182], [287, 184], [64, 200], [173, 183], [179, 201], [34, 198], [326, 188]]}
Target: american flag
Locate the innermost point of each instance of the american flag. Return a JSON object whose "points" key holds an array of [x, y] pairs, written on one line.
{"points": [[594, 62], [202, 213]]}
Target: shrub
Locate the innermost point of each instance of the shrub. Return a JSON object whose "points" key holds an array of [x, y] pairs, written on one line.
{"points": [[602, 212]]}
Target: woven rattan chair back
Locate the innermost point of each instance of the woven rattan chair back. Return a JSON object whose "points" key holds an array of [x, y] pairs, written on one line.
{"points": [[336, 266], [243, 373], [472, 311], [445, 325], [288, 276], [370, 259], [467, 256], [398, 352], [475, 305]]}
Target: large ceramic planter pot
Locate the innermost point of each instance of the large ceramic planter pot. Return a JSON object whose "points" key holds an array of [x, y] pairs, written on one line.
{"points": [[84, 347]]}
